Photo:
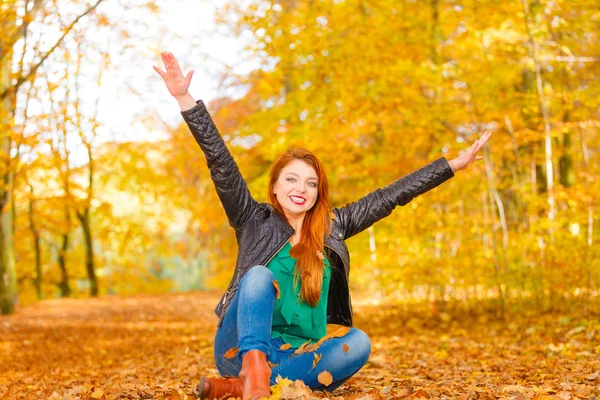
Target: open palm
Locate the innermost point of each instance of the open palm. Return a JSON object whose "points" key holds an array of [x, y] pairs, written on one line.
{"points": [[466, 157], [177, 84]]}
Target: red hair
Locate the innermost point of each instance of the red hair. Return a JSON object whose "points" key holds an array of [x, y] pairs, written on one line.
{"points": [[315, 227]]}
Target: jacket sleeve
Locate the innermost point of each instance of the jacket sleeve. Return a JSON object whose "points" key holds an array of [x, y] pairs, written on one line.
{"points": [[358, 216], [231, 187]]}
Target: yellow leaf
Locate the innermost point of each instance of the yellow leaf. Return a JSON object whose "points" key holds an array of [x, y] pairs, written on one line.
{"points": [[98, 394], [285, 346], [325, 378], [316, 360], [339, 332]]}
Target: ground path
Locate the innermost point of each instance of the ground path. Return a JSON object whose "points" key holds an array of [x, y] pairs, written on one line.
{"points": [[157, 347]]}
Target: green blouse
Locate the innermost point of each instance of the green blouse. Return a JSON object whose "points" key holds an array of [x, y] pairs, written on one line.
{"points": [[294, 321]]}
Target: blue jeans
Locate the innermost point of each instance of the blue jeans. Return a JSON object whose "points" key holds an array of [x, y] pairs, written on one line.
{"points": [[247, 326]]}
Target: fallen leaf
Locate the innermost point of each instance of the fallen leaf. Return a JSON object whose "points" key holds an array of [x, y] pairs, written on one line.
{"points": [[231, 352], [346, 348], [98, 394], [325, 378], [285, 346], [420, 394], [276, 284]]}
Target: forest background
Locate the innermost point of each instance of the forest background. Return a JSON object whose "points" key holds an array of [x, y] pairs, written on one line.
{"points": [[376, 88]]}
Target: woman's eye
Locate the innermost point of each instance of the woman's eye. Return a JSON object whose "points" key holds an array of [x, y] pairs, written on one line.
{"points": [[312, 184], [291, 180]]}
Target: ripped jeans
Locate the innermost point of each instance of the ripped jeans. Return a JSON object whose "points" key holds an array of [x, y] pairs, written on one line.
{"points": [[247, 326]]}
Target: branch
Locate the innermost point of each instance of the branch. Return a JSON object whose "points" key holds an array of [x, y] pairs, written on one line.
{"points": [[22, 79]]}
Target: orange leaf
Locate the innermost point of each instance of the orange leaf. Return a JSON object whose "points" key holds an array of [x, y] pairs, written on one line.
{"points": [[285, 346], [231, 352], [325, 378], [271, 364], [276, 284], [420, 393], [346, 348]]}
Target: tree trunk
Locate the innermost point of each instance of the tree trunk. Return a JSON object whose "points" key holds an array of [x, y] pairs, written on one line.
{"points": [[8, 276], [544, 110], [36, 245], [84, 218], [63, 285]]}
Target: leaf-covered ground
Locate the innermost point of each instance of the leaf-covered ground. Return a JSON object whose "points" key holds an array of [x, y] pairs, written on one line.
{"points": [[157, 347]]}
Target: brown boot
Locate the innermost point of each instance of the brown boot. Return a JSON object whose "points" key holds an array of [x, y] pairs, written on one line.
{"points": [[218, 388], [255, 375]]}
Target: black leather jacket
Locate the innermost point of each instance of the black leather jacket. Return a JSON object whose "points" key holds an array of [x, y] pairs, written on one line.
{"points": [[261, 231]]}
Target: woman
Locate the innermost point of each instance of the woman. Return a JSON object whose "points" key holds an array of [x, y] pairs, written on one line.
{"points": [[291, 274]]}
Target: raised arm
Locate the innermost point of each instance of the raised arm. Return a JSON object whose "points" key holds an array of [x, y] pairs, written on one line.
{"points": [[231, 187], [358, 216]]}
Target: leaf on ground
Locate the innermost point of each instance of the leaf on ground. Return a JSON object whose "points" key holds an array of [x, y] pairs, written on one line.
{"points": [[346, 348], [285, 346], [98, 394], [231, 352], [420, 394], [325, 378], [276, 284]]}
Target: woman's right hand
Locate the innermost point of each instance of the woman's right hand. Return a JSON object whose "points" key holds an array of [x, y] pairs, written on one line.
{"points": [[176, 83]]}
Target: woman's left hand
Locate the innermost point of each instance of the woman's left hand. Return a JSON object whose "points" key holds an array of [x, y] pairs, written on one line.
{"points": [[466, 157]]}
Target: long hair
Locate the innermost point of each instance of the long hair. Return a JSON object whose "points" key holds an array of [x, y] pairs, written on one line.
{"points": [[315, 227]]}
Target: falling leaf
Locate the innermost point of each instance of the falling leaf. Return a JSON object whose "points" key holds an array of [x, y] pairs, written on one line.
{"points": [[271, 364], [98, 394], [285, 346], [276, 284], [346, 348], [231, 352], [325, 378]]}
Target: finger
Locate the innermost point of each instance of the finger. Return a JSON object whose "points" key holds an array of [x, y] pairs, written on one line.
{"points": [[174, 63], [474, 147], [478, 158], [188, 77], [159, 71], [483, 140]]}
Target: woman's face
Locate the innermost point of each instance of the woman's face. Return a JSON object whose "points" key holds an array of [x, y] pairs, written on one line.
{"points": [[297, 188]]}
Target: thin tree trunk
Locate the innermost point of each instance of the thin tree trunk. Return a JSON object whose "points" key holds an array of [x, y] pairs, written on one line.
{"points": [[8, 276], [84, 218], [36, 246], [590, 216], [63, 285], [493, 193], [543, 104]]}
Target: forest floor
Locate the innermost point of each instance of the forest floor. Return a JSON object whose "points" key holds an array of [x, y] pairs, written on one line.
{"points": [[157, 347]]}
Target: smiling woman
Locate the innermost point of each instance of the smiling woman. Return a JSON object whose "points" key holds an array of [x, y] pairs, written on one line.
{"points": [[270, 325]]}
